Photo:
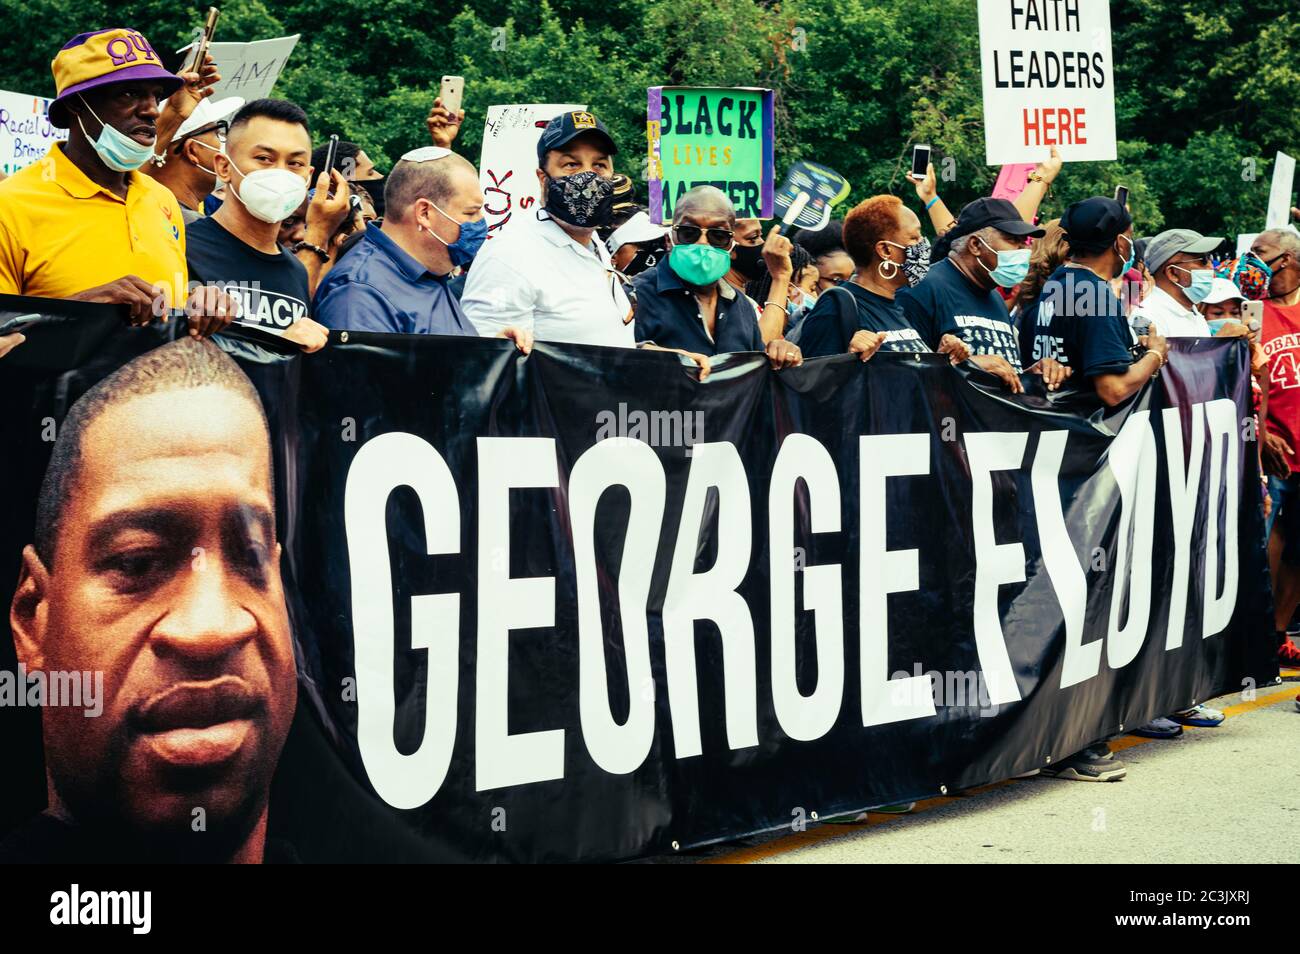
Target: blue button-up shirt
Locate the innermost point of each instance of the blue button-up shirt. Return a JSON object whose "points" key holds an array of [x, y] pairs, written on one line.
{"points": [[668, 315], [379, 287]]}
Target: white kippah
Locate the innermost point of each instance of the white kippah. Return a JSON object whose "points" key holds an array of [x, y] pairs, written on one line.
{"points": [[427, 154]]}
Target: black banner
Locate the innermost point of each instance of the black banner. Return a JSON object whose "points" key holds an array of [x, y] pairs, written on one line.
{"points": [[581, 606]]}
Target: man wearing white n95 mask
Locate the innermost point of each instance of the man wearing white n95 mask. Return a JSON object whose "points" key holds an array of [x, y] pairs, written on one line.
{"points": [[265, 166]]}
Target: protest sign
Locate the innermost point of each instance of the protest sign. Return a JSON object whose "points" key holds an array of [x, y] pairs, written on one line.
{"points": [[25, 130], [1048, 80], [1279, 196], [824, 187], [710, 136], [250, 69], [508, 162], [496, 610]]}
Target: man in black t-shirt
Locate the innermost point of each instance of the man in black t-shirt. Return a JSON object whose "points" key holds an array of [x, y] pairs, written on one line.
{"points": [[1080, 322], [957, 296], [266, 166]]}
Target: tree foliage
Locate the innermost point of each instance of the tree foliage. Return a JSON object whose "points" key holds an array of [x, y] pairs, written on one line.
{"points": [[1206, 94]]}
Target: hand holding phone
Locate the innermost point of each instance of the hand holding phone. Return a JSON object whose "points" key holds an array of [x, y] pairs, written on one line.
{"points": [[450, 94], [1121, 196], [331, 156], [920, 161], [203, 41]]}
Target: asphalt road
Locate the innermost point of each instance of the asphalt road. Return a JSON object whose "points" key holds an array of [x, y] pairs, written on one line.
{"points": [[1228, 794]]}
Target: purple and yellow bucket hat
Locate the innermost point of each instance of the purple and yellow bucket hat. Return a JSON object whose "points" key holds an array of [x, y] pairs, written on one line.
{"points": [[95, 59]]}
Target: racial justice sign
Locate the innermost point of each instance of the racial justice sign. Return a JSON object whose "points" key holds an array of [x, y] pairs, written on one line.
{"points": [[25, 131], [707, 136], [1048, 79], [508, 161]]}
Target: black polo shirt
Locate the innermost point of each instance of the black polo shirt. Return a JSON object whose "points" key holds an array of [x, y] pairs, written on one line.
{"points": [[667, 315]]}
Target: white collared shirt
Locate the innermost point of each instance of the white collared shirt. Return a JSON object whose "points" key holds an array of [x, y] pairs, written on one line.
{"points": [[1170, 318], [533, 275]]}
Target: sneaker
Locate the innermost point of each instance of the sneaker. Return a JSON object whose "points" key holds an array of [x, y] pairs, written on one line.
{"points": [[1085, 766], [1202, 716], [1030, 774], [1159, 728], [1288, 654]]}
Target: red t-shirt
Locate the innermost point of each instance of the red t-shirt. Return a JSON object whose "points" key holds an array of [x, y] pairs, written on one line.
{"points": [[1280, 336]]}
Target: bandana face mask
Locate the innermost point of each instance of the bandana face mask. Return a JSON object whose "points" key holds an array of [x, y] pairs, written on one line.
{"points": [[916, 261], [1249, 274], [584, 200]]}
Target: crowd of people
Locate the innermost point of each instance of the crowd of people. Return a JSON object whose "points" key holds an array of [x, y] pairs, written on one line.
{"points": [[223, 215]]}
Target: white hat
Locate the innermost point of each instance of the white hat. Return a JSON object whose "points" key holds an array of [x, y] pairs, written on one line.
{"points": [[426, 154], [1223, 290], [635, 230], [207, 112]]}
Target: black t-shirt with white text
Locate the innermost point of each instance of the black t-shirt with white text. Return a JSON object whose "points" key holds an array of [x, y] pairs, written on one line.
{"points": [[822, 333], [948, 303], [271, 289], [1081, 323]]}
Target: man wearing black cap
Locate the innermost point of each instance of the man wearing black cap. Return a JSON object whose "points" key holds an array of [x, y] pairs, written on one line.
{"points": [[957, 295], [549, 273], [1080, 321]]}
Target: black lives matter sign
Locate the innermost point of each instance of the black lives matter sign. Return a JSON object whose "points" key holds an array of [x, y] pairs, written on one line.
{"points": [[1048, 79]]}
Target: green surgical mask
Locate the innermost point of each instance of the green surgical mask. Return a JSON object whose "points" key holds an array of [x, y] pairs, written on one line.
{"points": [[699, 265]]}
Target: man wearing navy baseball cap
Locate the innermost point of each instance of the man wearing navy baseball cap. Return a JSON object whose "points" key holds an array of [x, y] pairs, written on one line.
{"points": [[958, 295], [545, 270]]}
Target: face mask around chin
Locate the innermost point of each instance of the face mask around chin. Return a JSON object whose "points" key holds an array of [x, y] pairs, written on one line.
{"points": [[115, 149]]}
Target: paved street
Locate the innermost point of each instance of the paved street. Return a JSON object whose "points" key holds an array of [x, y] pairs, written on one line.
{"points": [[1228, 794]]}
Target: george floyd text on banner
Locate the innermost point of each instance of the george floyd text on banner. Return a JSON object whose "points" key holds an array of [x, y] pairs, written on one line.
{"points": [[582, 606]]}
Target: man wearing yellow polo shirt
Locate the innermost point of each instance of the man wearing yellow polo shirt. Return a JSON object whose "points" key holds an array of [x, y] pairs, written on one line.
{"points": [[82, 223]]}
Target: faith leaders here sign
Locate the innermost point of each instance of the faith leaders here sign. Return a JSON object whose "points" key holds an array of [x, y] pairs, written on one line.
{"points": [[1049, 79]]}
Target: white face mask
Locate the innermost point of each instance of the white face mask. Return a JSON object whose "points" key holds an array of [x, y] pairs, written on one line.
{"points": [[270, 195]]}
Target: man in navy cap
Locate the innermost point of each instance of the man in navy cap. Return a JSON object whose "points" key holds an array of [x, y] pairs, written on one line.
{"points": [[958, 297], [547, 272], [1080, 321]]}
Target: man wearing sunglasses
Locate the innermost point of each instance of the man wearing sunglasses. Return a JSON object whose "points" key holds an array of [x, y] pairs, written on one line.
{"points": [[188, 170], [1178, 260], [684, 301]]}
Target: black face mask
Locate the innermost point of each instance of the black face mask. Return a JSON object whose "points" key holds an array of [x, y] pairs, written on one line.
{"points": [[748, 260], [646, 257], [584, 200]]}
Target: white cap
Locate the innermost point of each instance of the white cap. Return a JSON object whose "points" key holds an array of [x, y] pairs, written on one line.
{"points": [[637, 229], [426, 154], [1222, 290], [207, 112]]}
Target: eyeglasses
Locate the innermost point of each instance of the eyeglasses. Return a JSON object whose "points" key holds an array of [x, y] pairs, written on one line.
{"points": [[690, 234], [221, 127]]}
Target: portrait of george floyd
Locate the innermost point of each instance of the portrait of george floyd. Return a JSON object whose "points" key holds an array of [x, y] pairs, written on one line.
{"points": [[155, 562]]}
